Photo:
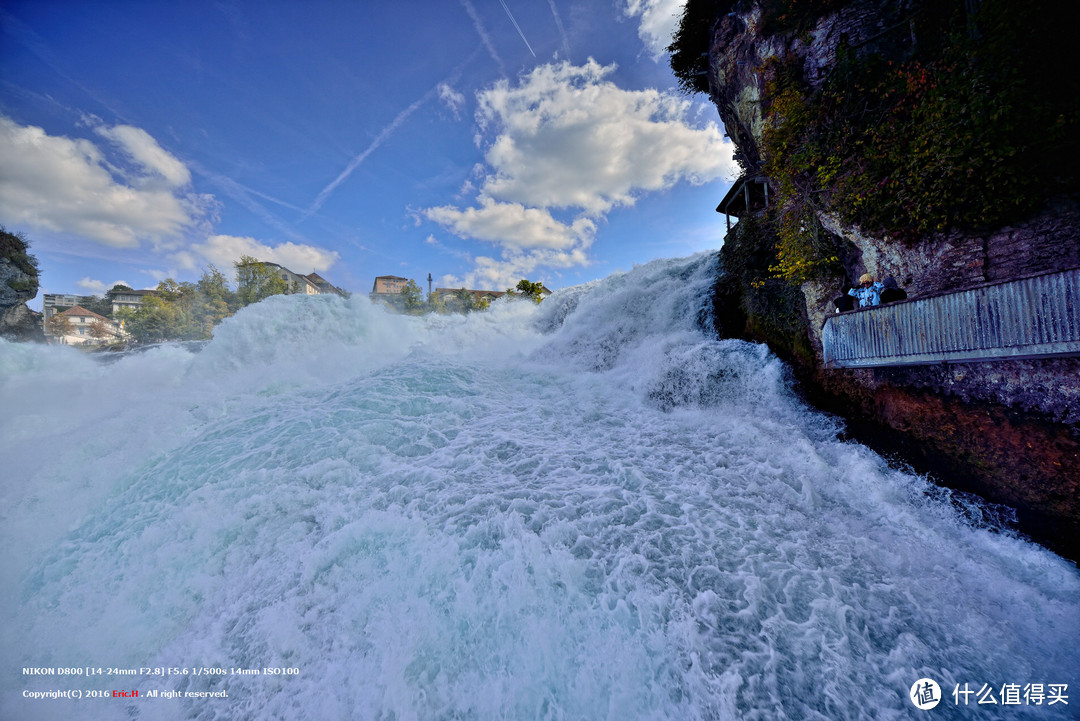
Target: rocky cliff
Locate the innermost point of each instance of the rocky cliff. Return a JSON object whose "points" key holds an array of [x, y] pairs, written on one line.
{"points": [[831, 101], [18, 284]]}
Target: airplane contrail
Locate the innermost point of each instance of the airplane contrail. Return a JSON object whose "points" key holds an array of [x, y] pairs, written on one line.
{"points": [[511, 16], [385, 133], [562, 30], [484, 37]]}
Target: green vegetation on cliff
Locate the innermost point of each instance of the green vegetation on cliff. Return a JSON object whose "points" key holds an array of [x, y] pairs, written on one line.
{"points": [[15, 249], [752, 303], [693, 35], [958, 116]]}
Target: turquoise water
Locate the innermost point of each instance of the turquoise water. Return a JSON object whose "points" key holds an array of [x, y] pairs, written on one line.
{"points": [[583, 510]]}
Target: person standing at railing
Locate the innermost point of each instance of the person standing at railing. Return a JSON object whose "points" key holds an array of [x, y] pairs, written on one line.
{"points": [[868, 292]]}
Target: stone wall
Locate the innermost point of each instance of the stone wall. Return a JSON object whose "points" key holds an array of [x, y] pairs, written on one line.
{"points": [[1048, 242]]}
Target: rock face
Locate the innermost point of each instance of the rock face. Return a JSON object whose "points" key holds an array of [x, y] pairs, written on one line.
{"points": [[1007, 430], [18, 284], [739, 50]]}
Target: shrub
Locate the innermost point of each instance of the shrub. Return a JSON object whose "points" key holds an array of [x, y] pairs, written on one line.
{"points": [[959, 131]]}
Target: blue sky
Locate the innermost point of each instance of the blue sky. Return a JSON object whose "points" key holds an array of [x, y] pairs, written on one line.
{"points": [[481, 141]]}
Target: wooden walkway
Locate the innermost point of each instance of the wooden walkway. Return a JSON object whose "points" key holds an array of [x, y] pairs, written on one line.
{"points": [[1034, 317]]}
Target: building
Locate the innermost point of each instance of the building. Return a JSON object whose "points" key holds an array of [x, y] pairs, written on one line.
{"points": [[295, 282], [53, 303], [127, 298], [749, 195], [388, 285], [324, 286], [86, 328]]}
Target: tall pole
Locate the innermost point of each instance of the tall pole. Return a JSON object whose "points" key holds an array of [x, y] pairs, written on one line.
{"points": [[429, 285]]}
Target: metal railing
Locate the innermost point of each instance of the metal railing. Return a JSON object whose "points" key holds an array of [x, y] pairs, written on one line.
{"points": [[1032, 317]]}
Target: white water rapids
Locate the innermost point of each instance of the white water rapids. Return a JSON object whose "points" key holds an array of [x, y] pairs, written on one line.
{"points": [[587, 509]]}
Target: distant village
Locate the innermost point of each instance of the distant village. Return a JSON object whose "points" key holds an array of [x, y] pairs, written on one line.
{"points": [[189, 311], [172, 311], [404, 295]]}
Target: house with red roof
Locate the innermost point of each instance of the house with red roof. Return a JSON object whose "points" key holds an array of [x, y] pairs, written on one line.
{"points": [[82, 327]]}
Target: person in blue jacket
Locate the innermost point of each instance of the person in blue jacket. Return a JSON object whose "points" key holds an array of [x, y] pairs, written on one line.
{"points": [[868, 292]]}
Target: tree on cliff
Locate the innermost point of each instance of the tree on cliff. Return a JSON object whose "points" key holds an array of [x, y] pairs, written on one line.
{"points": [[465, 300], [437, 304], [256, 280], [14, 249], [154, 321], [936, 117], [101, 305], [218, 301], [412, 297], [689, 47], [527, 289], [18, 284], [181, 310]]}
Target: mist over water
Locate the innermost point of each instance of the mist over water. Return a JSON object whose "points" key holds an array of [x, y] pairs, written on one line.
{"points": [[587, 509]]}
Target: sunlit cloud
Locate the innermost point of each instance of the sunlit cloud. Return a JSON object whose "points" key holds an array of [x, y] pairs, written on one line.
{"points": [[512, 225], [224, 250], [564, 147], [569, 138], [144, 151], [451, 98], [657, 21], [97, 287], [70, 185], [501, 273], [160, 275]]}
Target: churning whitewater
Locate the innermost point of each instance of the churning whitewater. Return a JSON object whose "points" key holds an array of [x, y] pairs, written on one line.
{"points": [[588, 509]]}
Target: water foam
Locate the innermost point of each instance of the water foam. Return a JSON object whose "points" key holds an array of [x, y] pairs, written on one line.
{"points": [[587, 509]]}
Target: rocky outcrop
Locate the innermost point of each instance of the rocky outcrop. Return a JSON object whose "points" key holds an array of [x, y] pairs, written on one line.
{"points": [[1007, 430], [18, 284], [740, 49]]}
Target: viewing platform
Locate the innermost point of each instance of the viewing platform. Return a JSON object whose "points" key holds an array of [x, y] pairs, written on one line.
{"points": [[1034, 317]]}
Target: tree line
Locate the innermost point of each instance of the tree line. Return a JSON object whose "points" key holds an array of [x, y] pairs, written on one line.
{"points": [[184, 310]]}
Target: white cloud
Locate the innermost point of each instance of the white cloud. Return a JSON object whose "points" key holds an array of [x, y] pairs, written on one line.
{"points": [[97, 287], [141, 148], [67, 185], [565, 138], [499, 274], [160, 275], [659, 19], [512, 225], [569, 138], [223, 250], [454, 100]]}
